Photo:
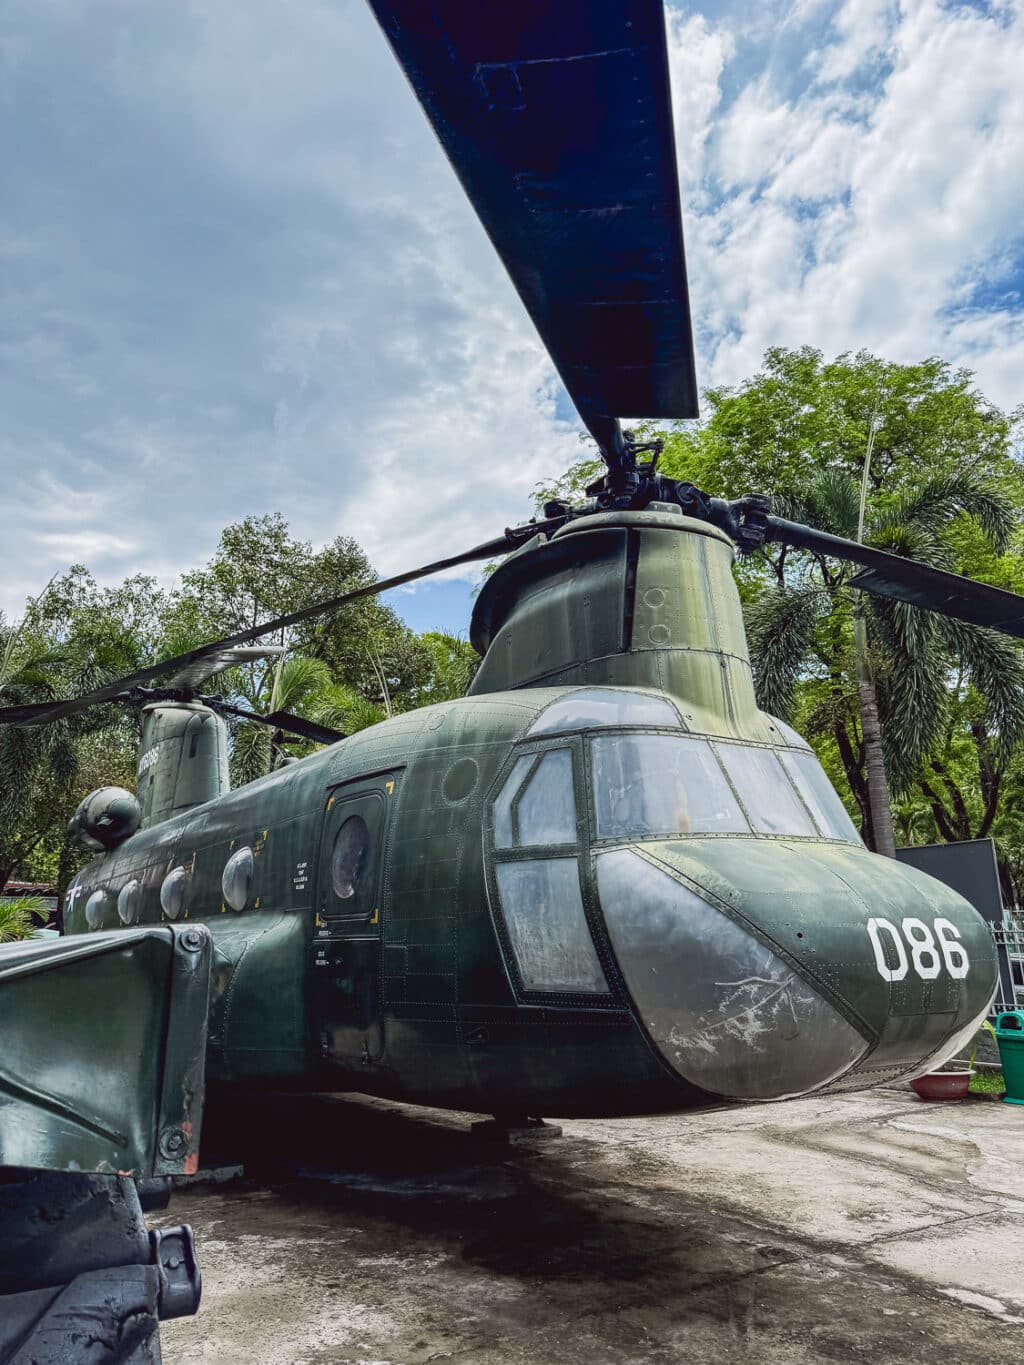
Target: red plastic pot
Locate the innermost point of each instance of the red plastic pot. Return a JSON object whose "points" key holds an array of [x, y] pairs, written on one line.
{"points": [[943, 1085]]}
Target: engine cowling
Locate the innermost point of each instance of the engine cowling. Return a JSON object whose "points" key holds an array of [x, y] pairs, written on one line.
{"points": [[106, 818]]}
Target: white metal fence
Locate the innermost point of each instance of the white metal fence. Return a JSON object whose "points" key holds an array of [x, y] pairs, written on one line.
{"points": [[1010, 947]]}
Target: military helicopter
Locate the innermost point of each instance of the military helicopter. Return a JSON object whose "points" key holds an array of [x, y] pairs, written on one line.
{"points": [[604, 881]]}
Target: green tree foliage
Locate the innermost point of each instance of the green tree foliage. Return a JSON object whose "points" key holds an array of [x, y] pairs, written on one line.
{"points": [[454, 663], [945, 485], [348, 671], [20, 917], [800, 415], [260, 571], [73, 637], [926, 668]]}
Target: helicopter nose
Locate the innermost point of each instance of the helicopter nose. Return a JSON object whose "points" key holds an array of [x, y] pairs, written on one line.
{"points": [[763, 970]]}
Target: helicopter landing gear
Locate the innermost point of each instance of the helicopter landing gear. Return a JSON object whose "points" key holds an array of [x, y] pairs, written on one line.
{"points": [[515, 1130], [80, 1276]]}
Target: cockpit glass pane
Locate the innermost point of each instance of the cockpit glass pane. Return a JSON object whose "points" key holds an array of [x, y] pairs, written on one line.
{"points": [[547, 810], [598, 706], [760, 779], [503, 802], [810, 780], [548, 927], [661, 784], [790, 735]]}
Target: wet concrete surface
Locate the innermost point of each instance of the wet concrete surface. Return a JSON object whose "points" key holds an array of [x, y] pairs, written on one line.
{"points": [[866, 1227]]}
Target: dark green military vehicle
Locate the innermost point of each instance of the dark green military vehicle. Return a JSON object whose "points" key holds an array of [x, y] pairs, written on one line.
{"points": [[604, 882]]}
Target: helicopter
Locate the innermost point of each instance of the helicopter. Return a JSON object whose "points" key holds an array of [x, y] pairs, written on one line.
{"points": [[604, 881]]}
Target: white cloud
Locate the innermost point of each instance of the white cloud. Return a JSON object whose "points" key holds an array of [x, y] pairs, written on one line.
{"points": [[862, 209], [237, 273]]}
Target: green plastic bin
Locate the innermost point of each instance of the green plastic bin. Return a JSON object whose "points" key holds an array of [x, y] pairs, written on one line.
{"points": [[1010, 1037]]}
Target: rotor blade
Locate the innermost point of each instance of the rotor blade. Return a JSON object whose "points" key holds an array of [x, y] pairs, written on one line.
{"points": [[216, 661], [907, 580], [557, 119], [38, 713], [280, 720]]}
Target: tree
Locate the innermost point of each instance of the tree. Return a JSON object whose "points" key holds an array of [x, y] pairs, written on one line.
{"points": [[800, 415], [73, 637], [944, 484], [20, 917], [454, 663], [899, 714], [260, 571], [347, 670]]}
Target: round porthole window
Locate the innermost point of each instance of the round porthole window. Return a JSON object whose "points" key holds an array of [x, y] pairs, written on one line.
{"points": [[172, 892], [128, 899], [348, 857], [237, 878], [94, 910]]}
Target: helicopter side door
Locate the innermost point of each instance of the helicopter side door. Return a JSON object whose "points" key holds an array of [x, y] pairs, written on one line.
{"points": [[347, 936]]}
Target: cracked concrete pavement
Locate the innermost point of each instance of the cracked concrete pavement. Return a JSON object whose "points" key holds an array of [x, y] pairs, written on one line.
{"points": [[844, 1228]]}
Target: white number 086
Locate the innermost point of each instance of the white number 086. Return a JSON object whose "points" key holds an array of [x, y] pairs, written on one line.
{"points": [[926, 955]]}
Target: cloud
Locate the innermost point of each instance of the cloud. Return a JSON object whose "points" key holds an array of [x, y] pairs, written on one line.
{"points": [[858, 209], [237, 273]]}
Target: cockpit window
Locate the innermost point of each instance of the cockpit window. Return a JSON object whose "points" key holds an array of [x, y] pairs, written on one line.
{"points": [[547, 926], [600, 706], [661, 784], [790, 735], [547, 811], [503, 832], [829, 812], [537, 805], [772, 804]]}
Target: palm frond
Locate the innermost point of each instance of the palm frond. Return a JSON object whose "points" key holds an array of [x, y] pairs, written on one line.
{"points": [[342, 708], [17, 917], [913, 707], [912, 541], [296, 680], [938, 503], [995, 665], [781, 625], [250, 753]]}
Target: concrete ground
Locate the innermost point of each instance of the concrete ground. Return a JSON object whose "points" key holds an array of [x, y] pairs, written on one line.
{"points": [[869, 1227]]}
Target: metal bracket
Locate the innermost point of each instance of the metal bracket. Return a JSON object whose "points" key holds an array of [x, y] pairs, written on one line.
{"points": [[181, 1285]]}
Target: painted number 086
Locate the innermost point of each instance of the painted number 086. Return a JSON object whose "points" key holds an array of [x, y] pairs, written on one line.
{"points": [[925, 949]]}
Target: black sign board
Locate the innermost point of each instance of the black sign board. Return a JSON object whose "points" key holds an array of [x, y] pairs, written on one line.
{"points": [[970, 868]]}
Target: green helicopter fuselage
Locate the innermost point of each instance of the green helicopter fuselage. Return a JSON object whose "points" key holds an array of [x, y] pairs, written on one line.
{"points": [[603, 882]]}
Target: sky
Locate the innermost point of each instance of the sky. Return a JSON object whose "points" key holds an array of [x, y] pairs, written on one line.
{"points": [[237, 274]]}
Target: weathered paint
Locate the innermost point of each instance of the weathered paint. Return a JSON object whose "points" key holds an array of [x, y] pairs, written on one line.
{"points": [[104, 1050], [183, 759], [419, 995]]}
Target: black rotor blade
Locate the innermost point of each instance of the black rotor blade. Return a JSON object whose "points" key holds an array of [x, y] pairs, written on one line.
{"points": [[557, 118], [39, 713], [907, 580], [280, 720]]}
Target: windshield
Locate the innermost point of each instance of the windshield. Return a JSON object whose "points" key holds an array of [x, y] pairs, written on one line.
{"points": [[810, 781], [647, 786], [661, 784], [772, 804]]}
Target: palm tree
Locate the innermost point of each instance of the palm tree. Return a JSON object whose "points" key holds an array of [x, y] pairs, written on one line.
{"points": [[306, 688], [887, 715], [40, 765], [455, 663], [21, 917]]}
